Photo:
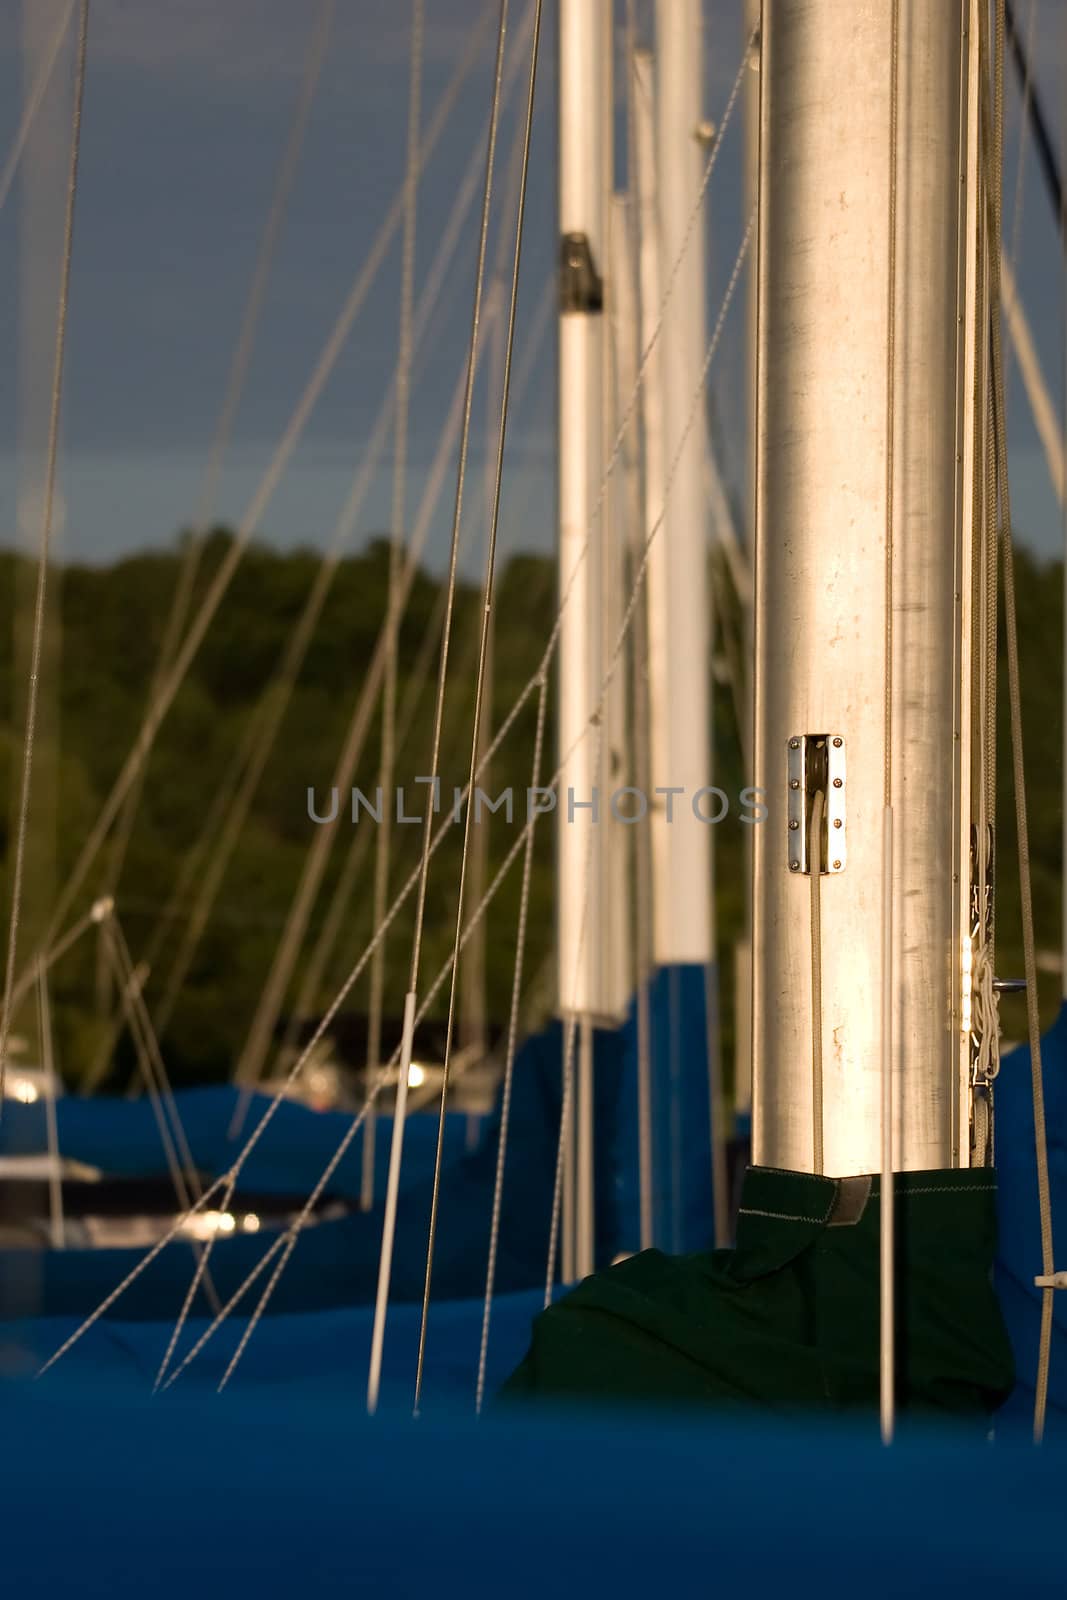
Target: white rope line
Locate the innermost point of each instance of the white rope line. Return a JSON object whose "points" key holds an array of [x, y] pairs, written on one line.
{"points": [[512, 716], [55, 1177], [387, 762], [44, 549], [157, 1067], [105, 1305], [1048, 1272], [385, 1260], [226, 821], [257, 1044], [509, 1065], [239, 364], [180, 1165], [815, 871], [33, 104], [190, 1297], [260, 1033], [322, 953], [562, 1147], [220, 1316], [483, 650], [299, 1222], [260, 500], [1020, 187], [56, 952], [551, 786]]}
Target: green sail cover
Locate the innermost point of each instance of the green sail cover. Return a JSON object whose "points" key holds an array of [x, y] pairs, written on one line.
{"points": [[789, 1318]]}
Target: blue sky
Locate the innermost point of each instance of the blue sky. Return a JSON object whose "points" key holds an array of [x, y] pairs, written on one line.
{"points": [[187, 110]]}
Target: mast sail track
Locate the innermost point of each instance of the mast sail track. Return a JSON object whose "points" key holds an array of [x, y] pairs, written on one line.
{"points": [[871, 641]]}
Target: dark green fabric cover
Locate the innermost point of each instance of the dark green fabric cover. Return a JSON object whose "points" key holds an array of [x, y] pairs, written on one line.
{"points": [[789, 1318]]}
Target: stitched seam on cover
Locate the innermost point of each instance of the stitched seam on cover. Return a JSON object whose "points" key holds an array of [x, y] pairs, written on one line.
{"points": [[779, 1216], [952, 1188]]}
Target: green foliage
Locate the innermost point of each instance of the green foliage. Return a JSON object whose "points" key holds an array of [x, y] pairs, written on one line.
{"points": [[112, 623]]}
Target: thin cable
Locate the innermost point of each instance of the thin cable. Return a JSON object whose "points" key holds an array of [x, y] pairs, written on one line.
{"points": [[385, 1261], [1018, 766], [387, 765], [239, 364], [131, 1276], [225, 823], [553, 784], [815, 869], [194, 1285], [509, 1065], [887, 1197], [626, 341], [890, 399], [299, 1221], [479, 692], [260, 500], [562, 1146], [1025, 92], [55, 1178], [353, 977], [261, 1031], [33, 105], [887, 1287], [44, 546]]}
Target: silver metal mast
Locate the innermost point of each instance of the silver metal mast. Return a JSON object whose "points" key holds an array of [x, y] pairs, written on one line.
{"points": [[678, 634], [863, 596], [589, 980], [593, 948]]}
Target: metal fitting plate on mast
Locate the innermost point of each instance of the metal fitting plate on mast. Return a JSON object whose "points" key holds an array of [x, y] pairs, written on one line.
{"points": [[816, 761]]}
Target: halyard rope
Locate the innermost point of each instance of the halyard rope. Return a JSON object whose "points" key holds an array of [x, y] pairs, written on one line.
{"points": [[44, 548]]}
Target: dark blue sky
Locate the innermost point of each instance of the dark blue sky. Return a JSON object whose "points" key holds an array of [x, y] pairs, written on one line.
{"points": [[187, 110]]}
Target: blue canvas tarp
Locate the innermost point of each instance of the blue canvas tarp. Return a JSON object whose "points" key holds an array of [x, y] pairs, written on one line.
{"points": [[335, 1263], [121, 1138]]}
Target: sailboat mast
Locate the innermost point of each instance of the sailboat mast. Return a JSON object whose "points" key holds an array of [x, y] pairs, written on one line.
{"points": [[680, 743], [593, 972], [867, 324]]}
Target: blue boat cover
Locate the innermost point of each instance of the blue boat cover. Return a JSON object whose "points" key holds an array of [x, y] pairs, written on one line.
{"points": [[121, 1138], [335, 1263]]}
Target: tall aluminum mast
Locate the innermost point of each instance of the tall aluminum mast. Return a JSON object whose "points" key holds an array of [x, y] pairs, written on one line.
{"points": [[594, 977], [864, 598], [678, 634]]}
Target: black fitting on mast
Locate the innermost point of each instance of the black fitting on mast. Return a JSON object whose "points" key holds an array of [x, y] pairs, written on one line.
{"points": [[581, 288]]}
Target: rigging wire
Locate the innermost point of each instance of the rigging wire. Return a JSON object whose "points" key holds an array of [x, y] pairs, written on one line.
{"points": [[226, 820], [1032, 104], [387, 764], [509, 721], [261, 1127], [1018, 765], [625, 362], [322, 953], [815, 870], [509, 1065], [57, 1232], [479, 690], [238, 372], [260, 1033], [887, 1201], [209, 605], [33, 104], [44, 549], [267, 1013]]}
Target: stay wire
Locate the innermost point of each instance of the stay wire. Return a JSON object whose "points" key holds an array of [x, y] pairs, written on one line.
{"points": [[499, 738], [44, 547], [1018, 764], [479, 692]]}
